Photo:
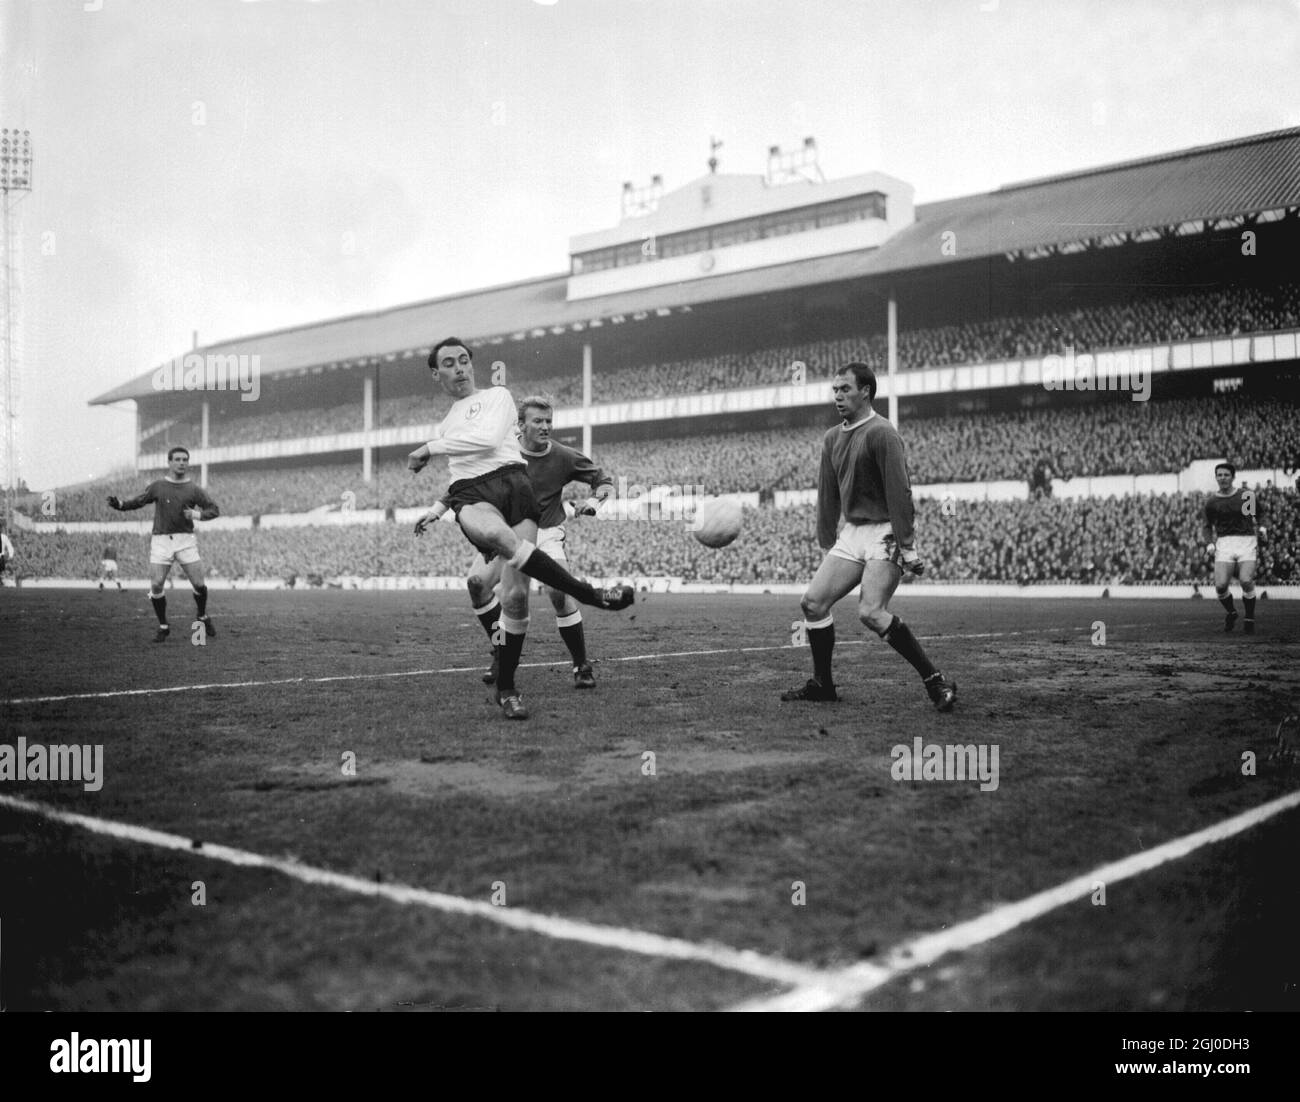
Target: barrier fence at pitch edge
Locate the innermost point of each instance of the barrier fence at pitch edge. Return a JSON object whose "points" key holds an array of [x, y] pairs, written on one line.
{"points": [[680, 585]]}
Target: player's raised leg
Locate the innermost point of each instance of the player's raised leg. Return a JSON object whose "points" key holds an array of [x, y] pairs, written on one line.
{"points": [[880, 579], [194, 572], [485, 526], [1223, 571], [835, 579]]}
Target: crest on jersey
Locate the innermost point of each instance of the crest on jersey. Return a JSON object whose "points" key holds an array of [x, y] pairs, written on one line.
{"points": [[474, 411]]}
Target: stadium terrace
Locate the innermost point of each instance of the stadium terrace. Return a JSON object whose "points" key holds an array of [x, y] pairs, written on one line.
{"points": [[1122, 370], [212, 371]]}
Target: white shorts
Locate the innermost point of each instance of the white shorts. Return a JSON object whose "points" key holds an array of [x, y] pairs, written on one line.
{"points": [[1236, 549], [863, 542], [551, 542], [183, 547], [108, 566]]}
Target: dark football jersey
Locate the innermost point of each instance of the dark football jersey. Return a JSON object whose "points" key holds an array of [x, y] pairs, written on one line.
{"points": [[551, 472], [1227, 514], [864, 478], [170, 500]]}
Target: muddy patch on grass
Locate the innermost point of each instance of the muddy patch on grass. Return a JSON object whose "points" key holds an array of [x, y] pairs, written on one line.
{"points": [[627, 761], [411, 778]]}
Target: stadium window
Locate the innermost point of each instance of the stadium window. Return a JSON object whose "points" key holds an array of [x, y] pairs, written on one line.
{"points": [[778, 225], [855, 209], [683, 244], [627, 255], [735, 233]]}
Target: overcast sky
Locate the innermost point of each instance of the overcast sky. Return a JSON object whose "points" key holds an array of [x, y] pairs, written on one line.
{"points": [[231, 167]]}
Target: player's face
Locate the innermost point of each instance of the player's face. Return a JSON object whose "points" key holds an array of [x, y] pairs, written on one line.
{"points": [[537, 429], [178, 464], [1224, 478], [849, 400], [455, 371]]}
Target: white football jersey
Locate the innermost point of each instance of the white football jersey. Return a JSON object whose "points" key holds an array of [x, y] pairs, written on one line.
{"points": [[478, 435]]}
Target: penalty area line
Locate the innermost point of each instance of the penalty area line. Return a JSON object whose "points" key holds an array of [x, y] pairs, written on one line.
{"points": [[746, 961], [108, 694], [848, 986]]}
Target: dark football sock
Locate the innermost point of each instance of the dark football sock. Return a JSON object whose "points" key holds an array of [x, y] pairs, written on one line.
{"points": [[159, 608], [488, 615], [508, 654], [1249, 602], [546, 570], [572, 634], [899, 636], [822, 642], [1226, 602], [201, 600]]}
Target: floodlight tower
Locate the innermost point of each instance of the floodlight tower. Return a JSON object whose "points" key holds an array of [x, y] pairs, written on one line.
{"points": [[15, 181], [795, 165]]}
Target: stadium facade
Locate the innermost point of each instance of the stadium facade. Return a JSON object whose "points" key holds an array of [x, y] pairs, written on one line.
{"points": [[755, 266]]}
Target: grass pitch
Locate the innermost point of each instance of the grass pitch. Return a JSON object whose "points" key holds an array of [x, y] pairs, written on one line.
{"points": [[680, 798]]}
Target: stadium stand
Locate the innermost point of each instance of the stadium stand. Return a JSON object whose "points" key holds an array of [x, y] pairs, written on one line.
{"points": [[1109, 437], [1140, 539], [1143, 319]]}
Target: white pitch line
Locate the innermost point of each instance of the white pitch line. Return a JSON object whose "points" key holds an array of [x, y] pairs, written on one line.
{"points": [[850, 985], [108, 694], [745, 961]]}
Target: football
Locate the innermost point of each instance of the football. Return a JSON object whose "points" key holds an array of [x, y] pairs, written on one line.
{"points": [[717, 521]]}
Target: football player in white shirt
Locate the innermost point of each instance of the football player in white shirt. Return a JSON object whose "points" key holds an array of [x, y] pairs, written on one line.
{"points": [[495, 506]]}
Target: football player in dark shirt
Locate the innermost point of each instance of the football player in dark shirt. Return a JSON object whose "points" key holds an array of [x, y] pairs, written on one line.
{"points": [[177, 503], [551, 467], [108, 568], [1231, 536], [864, 524]]}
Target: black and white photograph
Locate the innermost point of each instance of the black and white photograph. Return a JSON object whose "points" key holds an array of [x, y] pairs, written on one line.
{"points": [[657, 506]]}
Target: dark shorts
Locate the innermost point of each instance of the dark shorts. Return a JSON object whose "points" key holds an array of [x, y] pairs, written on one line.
{"points": [[507, 489]]}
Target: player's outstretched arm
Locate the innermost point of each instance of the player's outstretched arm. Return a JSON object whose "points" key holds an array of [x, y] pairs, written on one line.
{"points": [[137, 502], [418, 459], [431, 517]]}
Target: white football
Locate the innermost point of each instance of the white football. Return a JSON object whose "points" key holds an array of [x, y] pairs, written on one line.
{"points": [[717, 521]]}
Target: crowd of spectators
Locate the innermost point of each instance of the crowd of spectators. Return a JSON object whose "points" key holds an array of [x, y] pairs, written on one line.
{"points": [[1114, 436], [1148, 539], [1143, 319]]}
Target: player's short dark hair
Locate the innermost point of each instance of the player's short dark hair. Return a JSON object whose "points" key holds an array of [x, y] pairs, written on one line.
{"points": [[173, 451], [1225, 465], [447, 342], [535, 401], [863, 375]]}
